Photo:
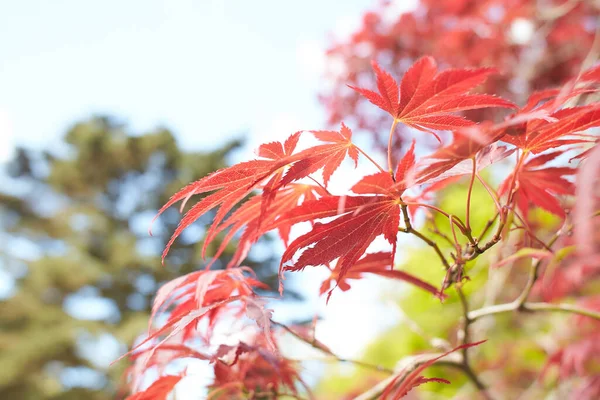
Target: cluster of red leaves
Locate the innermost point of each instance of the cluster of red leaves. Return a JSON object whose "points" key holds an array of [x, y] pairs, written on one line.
{"points": [[245, 370], [195, 303], [254, 372], [555, 37], [287, 186]]}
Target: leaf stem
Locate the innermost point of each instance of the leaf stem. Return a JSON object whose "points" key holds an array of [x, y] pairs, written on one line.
{"points": [[369, 158], [457, 221], [468, 216], [319, 184], [389, 150], [490, 192]]}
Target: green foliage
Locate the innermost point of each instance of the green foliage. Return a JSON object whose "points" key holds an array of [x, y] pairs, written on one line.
{"points": [[75, 222]]}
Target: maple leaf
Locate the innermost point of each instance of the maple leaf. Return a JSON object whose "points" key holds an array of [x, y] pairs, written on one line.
{"points": [[414, 378], [559, 128], [547, 124], [255, 222], [427, 99], [463, 147], [196, 296], [159, 390], [159, 358], [256, 310], [379, 263], [327, 156], [253, 369], [360, 219], [404, 166], [230, 186], [539, 186], [450, 163]]}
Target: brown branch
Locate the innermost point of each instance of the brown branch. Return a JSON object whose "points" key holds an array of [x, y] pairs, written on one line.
{"points": [[409, 229], [525, 307], [464, 338]]}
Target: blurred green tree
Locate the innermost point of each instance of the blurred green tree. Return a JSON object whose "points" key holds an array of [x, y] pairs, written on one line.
{"points": [[76, 248]]}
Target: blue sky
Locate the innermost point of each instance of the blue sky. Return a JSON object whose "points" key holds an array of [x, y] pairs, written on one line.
{"points": [[207, 69]]}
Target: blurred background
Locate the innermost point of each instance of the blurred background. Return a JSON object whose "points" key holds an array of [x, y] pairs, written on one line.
{"points": [[107, 108]]}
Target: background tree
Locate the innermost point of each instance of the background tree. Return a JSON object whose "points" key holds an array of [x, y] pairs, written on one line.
{"points": [[75, 240]]}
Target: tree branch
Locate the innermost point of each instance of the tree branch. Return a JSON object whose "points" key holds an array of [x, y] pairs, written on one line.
{"points": [[464, 338], [516, 306], [409, 229]]}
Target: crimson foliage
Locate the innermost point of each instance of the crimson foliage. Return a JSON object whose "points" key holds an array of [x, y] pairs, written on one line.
{"points": [[549, 140]]}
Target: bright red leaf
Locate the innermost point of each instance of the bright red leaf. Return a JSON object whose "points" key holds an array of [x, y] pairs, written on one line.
{"points": [[328, 156], [539, 185], [159, 390], [230, 186], [360, 219], [379, 263], [427, 99], [414, 378]]}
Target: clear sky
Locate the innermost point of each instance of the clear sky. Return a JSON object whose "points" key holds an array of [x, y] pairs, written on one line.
{"points": [[208, 70]]}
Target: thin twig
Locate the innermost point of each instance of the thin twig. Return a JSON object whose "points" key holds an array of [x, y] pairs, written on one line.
{"points": [[369, 158], [389, 152], [535, 270], [409, 229], [489, 224], [317, 345], [471, 182]]}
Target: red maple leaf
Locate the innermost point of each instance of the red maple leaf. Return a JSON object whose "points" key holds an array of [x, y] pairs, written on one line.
{"points": [[549, 123], [254, 221], [327, 156], [560, 128], [426, 99], [197, 296], [404, 167], [538, 185], [253, 369], [360, 219], [159, 390], [230, 186], [465, 145], [379, 263], [414, 378]]}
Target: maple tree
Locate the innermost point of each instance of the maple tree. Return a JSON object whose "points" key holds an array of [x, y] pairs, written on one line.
{"points": [[542, 144]]}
